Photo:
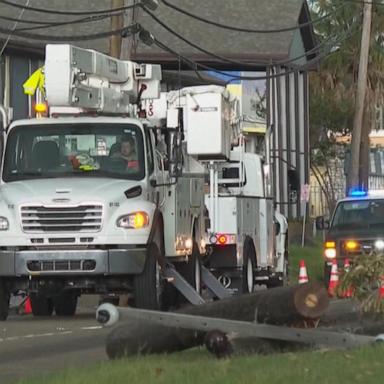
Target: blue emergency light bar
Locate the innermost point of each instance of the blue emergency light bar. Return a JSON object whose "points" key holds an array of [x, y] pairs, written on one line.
{"points": [[357, 193]]}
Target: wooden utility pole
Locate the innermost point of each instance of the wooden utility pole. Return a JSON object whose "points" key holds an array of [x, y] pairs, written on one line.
{"points": [[117, 22], [353, 174]]}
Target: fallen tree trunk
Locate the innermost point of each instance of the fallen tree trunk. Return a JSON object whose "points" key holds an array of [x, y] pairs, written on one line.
{"points": [[346, 315], [341, 311], [283, 305]]}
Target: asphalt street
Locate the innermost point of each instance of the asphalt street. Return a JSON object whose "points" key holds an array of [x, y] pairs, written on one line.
{"points": [[31, 346]]}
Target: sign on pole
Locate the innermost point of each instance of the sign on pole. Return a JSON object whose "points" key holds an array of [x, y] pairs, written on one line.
{"points": [[305, 192], [304, 198]]}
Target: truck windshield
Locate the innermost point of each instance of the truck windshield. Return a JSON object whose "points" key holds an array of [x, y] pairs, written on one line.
{"points": [[359, 213], [68, 150]]}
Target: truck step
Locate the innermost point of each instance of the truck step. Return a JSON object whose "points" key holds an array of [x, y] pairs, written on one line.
{"points": [[213, 284], [178, 281]]}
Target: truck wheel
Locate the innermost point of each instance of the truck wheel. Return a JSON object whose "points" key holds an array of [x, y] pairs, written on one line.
{"points": [[4, 301], [249, 265], [65, 304], [191, 270], [41, 305], [327, 274], [148, 287]]}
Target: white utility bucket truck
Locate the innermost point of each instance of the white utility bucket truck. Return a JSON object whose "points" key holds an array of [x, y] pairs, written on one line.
{"points": [[246, 239], [104, 195]]}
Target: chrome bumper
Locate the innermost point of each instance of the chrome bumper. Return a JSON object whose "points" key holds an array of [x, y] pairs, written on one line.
{"points": [[72, 262]]}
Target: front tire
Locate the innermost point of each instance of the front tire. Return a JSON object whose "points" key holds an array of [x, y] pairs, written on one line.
{"points": [[191, 270], [4, 301], [65, 303], [41, 305], [148, 287]]}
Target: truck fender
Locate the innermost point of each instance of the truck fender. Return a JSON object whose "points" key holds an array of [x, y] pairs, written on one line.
{"points": [[156, 235]]}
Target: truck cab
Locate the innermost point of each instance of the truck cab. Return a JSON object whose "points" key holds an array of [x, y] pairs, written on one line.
{"points": [[73, 205], [356, 228], [87, 204]]}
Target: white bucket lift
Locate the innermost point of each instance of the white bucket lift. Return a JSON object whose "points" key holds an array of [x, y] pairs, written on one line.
{"points": [[84, 78]]}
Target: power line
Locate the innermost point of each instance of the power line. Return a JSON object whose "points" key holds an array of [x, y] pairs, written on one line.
{"points": [[238, 29], [25, 21], [225, 59], [195, 65], [131, 29], [58, 12], [13, 29], [88, 19]]}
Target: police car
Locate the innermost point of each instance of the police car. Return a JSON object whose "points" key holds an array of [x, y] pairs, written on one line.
{"points": [[356, 227]]}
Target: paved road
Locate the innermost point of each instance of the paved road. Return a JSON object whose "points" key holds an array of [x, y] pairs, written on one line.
{"points": [[30, 346]]}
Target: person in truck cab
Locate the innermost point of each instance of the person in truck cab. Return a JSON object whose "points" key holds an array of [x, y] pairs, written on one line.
{"points": [[126, 150]]}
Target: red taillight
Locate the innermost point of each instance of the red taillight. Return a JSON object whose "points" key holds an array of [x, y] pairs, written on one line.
{"points": [[222, 238]]}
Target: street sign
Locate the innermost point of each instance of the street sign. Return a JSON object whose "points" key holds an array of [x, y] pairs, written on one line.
{"points": [[305, 192]]}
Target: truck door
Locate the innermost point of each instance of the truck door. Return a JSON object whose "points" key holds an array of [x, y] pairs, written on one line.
{"points": [[155, 166]]}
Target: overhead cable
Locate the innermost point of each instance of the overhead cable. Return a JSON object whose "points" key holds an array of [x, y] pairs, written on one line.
{"points": [[225, 59], [73, 13], [13, 29], [126, 31], [88, 19], [249, 30], [195, 65], [25, 21]]}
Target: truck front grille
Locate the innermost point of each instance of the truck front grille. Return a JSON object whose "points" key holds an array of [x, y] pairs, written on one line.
{"points": [[81, 218], [61, 265]]}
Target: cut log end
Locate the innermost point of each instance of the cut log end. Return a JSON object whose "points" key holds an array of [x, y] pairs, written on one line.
{"points": [[311, 300]]}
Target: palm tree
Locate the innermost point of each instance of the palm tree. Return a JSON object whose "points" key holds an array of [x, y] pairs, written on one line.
{"points": [[335, 82]]}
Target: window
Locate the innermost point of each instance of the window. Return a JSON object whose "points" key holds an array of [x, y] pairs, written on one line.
{"points": [[359, 213], [68, 150], [150, 160]]}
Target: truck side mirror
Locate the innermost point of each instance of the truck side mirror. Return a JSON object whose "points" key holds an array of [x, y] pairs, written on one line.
{"points": [[321, 223], [277, 228], [175, 155], [153, 183]]}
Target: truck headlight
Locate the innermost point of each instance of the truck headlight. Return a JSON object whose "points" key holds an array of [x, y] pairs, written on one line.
{"points": [[135, 220], [330, 249], [4, 224]]}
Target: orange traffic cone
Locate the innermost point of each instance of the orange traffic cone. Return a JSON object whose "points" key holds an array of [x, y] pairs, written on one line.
{"points": [[27, 306], [334, 280], [349, 291], [381, 289], [303, 276]]}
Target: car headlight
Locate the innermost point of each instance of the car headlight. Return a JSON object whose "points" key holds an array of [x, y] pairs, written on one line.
{"points": [[351, 245], [4, 224], [330, 249], [379, 245], [330, 253], [135, 220]]}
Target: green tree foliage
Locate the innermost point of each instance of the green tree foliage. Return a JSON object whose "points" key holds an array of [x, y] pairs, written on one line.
{"points": [[333, 86], [365, 277]]}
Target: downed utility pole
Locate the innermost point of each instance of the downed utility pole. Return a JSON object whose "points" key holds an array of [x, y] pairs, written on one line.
{"points": [[283, 305], [353, 174]]}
